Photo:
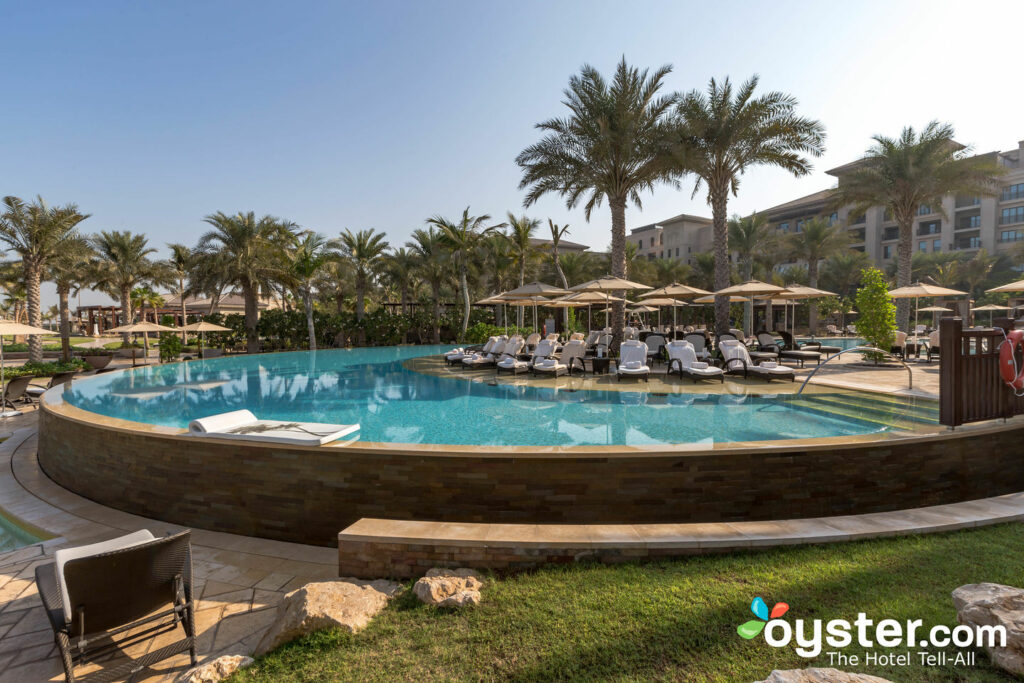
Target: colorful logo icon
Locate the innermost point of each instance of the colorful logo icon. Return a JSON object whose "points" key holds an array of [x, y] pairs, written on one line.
{"points": [[752, 628]]}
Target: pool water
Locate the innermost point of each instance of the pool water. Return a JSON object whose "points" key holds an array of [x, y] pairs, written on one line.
{"points": [[392, 403], [13, 536]]}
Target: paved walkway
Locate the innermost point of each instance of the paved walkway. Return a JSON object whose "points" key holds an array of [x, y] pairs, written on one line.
{"points": [[238, 579]]}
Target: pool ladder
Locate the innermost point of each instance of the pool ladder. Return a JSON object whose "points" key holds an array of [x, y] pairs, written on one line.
{"points": [[862, 349]]}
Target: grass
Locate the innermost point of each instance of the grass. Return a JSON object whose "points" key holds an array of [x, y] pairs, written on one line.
{"points": [[671, 620]]}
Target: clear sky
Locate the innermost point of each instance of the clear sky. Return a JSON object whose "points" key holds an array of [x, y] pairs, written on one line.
{"points": [[379, 114]]}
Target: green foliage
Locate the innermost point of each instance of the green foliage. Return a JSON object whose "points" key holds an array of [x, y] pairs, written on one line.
{"points": [[45, 369], [479, 333], [877, 320], [170, 346]]}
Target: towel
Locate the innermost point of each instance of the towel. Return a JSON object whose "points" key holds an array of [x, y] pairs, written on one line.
{"points": [[632, 365], [769, 364], [546, 363], [698, 365]]}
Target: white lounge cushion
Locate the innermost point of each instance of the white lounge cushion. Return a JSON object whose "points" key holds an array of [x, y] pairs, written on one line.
{"points": [[546, 363], [705, 371], [770, 364], [509, 363], [243, 425], [698, 365], [632, 365], [65, 555]]}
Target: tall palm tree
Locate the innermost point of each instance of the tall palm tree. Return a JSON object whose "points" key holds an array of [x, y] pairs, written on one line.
{"points": [[842, 271], [181, 262], [722, 134], [577, 267], [704, 269], [311, 253], [668, 270], [433, 266], [365, 251], [749, 236], [248, 252], [121, 264], [523, 252], [142, 298], [818, 240], [904, 173], [557, 233], [400, 265], [613, 145], [70, 272], [37, 233], [947, 274], [462, 238], [976, 271]]}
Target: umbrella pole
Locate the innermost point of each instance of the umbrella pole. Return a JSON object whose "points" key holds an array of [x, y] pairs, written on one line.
{"points": [[3, 386]]}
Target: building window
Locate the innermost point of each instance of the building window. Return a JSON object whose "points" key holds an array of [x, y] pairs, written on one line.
{"points": [[1012, 192], [890, 234], [677, 252], [1011, 236], [922, 246], [929, 228], [800, 225], [962, 201], [967, 222], [887, 251], [967, 243], [833, 217], [661, 239], [924, 210], [652, 241], [784, 227], [857, 220], [1014, 214], [640, 244], [937, 245]]}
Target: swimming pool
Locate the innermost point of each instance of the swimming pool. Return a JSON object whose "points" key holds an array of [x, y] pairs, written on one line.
{"points": [[395, 404], [13, 536]]}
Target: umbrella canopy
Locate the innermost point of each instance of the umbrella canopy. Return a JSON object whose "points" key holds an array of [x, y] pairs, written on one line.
{"points": [[919, 289], [804, 292], [640, 308], [1017, 286], [11, 327], [751, 288], [526, 300], [203, 326], [734, 299], [940, 309], [608, 284], [662, 301], [491, 300], [566, 303], [142, 327], [675, 289], [533, 289], [590, 298], [986, 307]]}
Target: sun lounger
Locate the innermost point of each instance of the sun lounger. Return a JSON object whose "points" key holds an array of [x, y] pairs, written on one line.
{"points": [[572, 355], [737, 361], [792, 351], [655, 343], [576, 336], [455, 356], [683, 358], [632, 360], [243, 425], [544, 349], [933, 345], [16, 390], [700, 346], [136, 585], [34, 391], [480, 360], [532, 340]]}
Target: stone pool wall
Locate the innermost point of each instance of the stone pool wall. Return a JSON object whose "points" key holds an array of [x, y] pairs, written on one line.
{"points": [[308, 495]]}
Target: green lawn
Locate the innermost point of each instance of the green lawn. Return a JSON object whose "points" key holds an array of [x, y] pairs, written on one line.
{"points": [[665, 621]]}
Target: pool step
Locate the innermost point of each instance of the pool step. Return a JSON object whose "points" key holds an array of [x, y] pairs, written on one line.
{"points": [[891, 413]]}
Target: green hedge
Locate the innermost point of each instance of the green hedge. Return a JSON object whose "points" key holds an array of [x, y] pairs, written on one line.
{"points": [[45, 369]]}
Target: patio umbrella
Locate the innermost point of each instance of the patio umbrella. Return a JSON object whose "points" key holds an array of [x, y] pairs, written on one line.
{"points": [[588, 299], [201, 327], [529, 301], [1017, 286], [494, 301], [676, 290], [794, 293], [534, 288], [13, 328], [991, 308], [919, 289], [710, 299], [609, 284], [144, 327], [751, 288], [660, 301]]}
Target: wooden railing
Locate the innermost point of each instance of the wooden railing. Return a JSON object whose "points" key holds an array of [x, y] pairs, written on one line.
{"points": [[970, 387]]}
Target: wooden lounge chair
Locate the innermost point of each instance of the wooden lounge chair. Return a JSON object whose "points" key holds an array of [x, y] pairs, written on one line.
{"points": [[737, 361], [136, 585], [683, 358], [632, 360], [35, 391], [572, 355], [16, 390], [899, 345], [793, 351]]}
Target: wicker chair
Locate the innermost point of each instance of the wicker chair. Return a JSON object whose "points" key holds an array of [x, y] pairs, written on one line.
{"points": [[133, 583]]}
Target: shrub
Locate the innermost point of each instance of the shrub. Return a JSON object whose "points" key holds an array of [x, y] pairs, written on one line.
{"points": [[877, 313], [170, 345], [45, 369]]}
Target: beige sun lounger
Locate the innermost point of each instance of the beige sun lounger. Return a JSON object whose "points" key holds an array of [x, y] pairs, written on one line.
{"points": [[244, 426]]}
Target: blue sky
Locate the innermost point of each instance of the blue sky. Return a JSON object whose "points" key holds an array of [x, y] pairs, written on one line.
{"points": [[151, 115]]}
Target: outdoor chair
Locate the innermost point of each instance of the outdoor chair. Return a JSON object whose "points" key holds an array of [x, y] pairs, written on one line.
{"points": [[572, 355], [524, 362], [793, 351], [16, 391], [899, 345], [532, 340], [655, 343], [682, 357], [136, 585], [737, 360], [933, 345], [632, 360], [700, 345], [576, 336], [34, 391]]}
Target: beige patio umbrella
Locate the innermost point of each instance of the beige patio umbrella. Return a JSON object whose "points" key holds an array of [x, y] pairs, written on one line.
{"points": [[660, 301], [609, 284], [751, 288], [534, 288], [796, 293], [991, 308], [529, 301], [13, 328], [676, 290], [588, 299], [1017, 286], [734, 299], [919, 289], [144, 328], [202, 327]]}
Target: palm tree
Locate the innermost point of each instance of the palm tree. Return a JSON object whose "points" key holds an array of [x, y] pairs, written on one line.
{"points": [[400, 265], [248, 253], [947, 274], [121, 264], [668, 270], [181, 263], [976, 271], [842, 271], [522, 250], [747, 237], [70, 273], [613, 145], [704, 269], [462, 239], [577, 267], [904, 173], [309, 256], [557, 233], [365, 251], [38, 234], [818, 240], [141, 298], [722, 134], [433, 266]]}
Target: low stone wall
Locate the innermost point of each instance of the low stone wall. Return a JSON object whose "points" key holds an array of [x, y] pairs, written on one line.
{"points": [[307, 495]]}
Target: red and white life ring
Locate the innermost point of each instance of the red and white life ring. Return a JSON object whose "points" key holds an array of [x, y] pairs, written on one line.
{"points": [[1008, 369]]}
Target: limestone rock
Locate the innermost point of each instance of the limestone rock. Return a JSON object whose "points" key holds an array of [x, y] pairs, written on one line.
{"points": [[993, 604], [215, 671], [449, 587], [815, 675], [346, 603]]}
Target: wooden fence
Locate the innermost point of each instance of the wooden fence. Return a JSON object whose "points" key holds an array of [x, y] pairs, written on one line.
{"points": [[970, 387]]}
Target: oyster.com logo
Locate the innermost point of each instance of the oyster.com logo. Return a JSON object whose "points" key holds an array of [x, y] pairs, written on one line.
{"points": [[751, 629]]}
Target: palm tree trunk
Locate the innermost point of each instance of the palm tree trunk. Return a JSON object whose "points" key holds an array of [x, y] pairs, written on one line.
{"points": [[812, 308], [360, 294], [63, 297], [904, 257], [618, 264], [436, 289], [126, 314], [35, 343], [719, 206], [145, 335], [565, 283], [465, 302], [184, 310], [522, 281], [748, 308], [307, 301], [252, 342]]}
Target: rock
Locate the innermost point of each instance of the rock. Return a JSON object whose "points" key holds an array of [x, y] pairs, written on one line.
{"points": [[215, 671], [449, 587], [993, 604], [814, 675], [346, 603]]}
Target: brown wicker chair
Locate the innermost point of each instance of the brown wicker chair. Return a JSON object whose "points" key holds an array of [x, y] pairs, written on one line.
{"points": [[144, 586]]}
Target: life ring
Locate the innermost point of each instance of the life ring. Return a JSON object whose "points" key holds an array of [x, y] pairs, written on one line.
{"points": [[1008, 369]]}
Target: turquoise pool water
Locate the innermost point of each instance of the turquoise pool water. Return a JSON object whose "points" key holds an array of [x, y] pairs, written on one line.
{"points": [[13, 536], [393, 404]]}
